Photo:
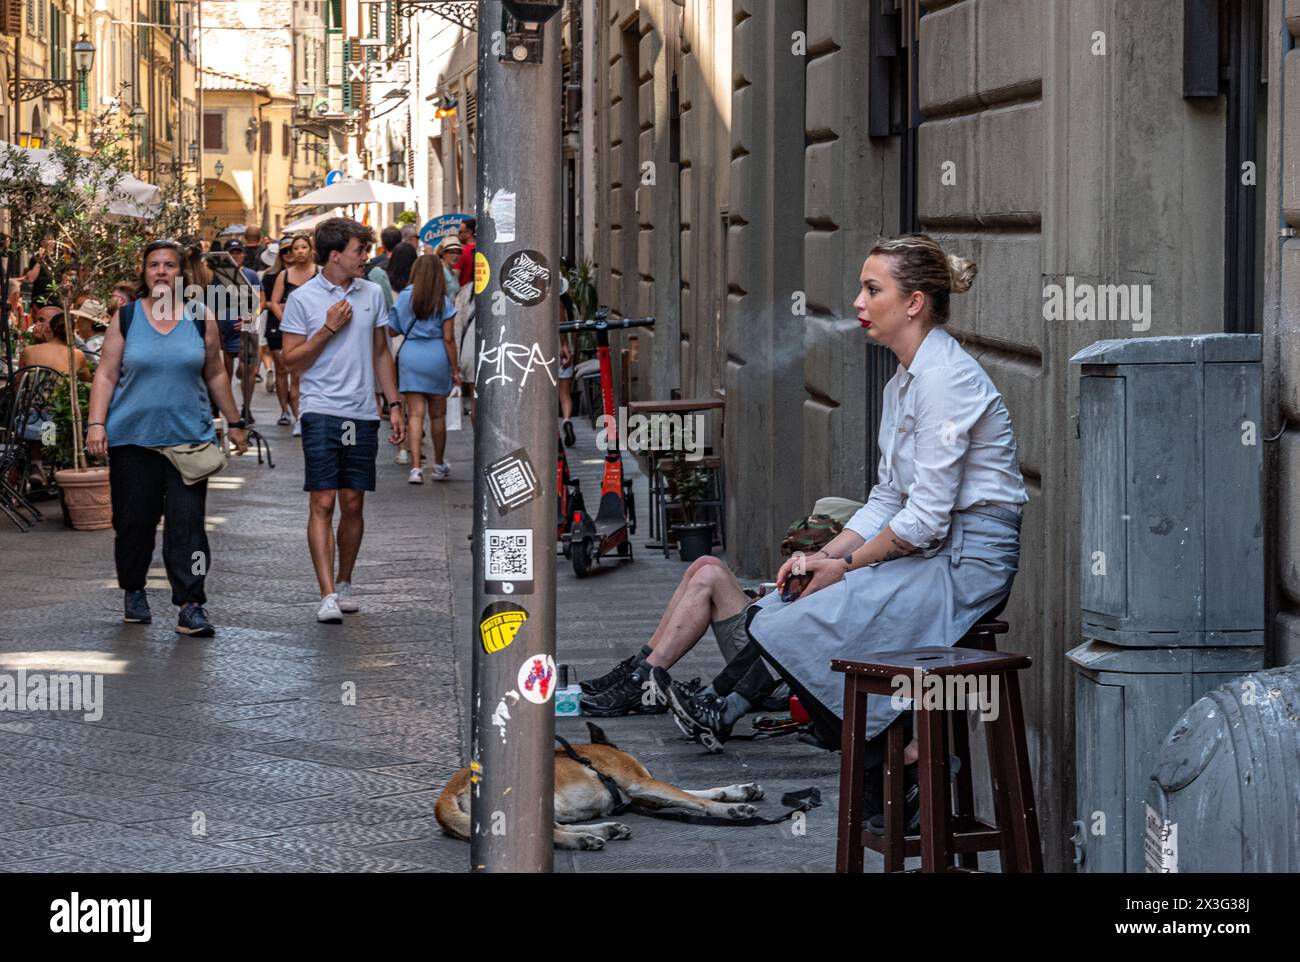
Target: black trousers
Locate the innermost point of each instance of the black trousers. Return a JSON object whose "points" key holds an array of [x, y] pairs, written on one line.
{"points": [[146, 488]]}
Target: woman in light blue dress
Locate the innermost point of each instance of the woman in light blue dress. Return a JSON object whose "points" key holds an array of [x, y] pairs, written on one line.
{"points": [[426, 362]]}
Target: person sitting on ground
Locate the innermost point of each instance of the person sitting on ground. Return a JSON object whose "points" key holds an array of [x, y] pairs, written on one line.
{"points": [[708, 595]]}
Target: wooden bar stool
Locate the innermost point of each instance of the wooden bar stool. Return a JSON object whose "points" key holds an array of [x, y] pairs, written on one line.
{"points": [[945, 835]]}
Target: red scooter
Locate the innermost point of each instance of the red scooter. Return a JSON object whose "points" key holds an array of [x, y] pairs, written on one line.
{"points": [[589, 539]]}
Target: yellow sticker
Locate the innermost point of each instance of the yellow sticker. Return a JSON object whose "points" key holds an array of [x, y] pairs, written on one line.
{"points": [[500, 623], [482, 272]]}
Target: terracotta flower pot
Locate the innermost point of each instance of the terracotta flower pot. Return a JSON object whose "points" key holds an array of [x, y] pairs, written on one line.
{"points": [[87, 497]]}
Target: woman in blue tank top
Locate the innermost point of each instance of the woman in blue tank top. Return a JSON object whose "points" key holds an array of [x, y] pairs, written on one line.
{"points": [[151, 390]]}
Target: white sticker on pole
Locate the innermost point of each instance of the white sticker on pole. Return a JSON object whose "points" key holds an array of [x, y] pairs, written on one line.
{"points": [[502, 212], [508, 561], [1161, 843], [537, 678]]}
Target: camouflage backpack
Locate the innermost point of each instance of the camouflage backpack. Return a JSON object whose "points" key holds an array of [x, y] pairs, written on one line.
{"points": [[810, 534]]}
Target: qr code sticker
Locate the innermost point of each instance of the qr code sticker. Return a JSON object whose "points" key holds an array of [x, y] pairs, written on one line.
{"points": [[510, 555]]}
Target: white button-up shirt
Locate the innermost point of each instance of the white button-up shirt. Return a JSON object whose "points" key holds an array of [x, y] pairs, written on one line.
{"points": [[946, 444]]}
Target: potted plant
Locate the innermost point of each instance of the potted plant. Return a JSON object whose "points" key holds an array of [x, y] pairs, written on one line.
{"points": [[74, 194], [87, 505], [691, 486]]}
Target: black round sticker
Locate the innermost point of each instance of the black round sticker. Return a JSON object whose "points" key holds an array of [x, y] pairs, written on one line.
{"points": [[526, 278]]}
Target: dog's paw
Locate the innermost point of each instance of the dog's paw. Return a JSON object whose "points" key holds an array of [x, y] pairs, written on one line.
{"points": [[590, 843], [752, 791], [620, 831], [741, 811]]}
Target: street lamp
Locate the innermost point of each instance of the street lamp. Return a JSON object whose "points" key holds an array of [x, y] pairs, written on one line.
{"points": [[194, 153], [138, 118], [220, 168], [83, 55], [305, 94]]}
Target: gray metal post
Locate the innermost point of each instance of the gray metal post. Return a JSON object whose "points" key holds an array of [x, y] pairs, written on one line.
{"points": [[515, 440]]}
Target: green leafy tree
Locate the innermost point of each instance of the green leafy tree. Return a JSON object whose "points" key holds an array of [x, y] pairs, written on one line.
{"points": [[72, 196]]}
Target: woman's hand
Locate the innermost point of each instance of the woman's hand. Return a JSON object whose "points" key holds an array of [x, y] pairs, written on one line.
{"points": [[455, 376], [96, 441], [825, 572], [797, 564], [239, 438]]}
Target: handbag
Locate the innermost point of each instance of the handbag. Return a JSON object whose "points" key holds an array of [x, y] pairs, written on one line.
{"points": [[196, 461]]}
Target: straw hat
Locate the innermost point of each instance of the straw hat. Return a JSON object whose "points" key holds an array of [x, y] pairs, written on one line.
{"points": [[93, 310]]}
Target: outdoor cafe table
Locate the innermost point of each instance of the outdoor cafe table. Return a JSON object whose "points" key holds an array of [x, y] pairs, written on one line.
{"points": [[682, 406]]}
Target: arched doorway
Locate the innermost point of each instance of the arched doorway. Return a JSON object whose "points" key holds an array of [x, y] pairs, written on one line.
{"points": [[224, 207]]}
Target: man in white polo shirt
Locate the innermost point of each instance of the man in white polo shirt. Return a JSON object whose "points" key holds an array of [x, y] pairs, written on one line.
{"points": [[336, 345]]}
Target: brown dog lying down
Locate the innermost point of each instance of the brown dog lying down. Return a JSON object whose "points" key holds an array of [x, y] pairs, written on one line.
{"points": [[580, 796]]}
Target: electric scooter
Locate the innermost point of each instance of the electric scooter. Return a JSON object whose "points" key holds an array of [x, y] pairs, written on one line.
{"points": [[589, 539]]}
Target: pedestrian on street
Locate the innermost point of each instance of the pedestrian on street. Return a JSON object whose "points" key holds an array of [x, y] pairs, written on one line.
{"points": [[466, 236], [377, 269], [448, 253], [299, 266], [426, 361], [159, 365], [335, 342], [252, 243]]}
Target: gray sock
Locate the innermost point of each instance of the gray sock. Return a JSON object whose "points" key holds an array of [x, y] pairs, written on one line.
{"points": [[734, 707]]}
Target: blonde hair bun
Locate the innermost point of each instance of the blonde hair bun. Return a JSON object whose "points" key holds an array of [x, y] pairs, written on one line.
{"points": [[963, 271]]}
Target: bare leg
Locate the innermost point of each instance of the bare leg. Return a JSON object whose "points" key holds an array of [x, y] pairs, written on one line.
{"points": [[566, 398], [352, 525], [712, 594], [281, 382], [320, 538], [467, 389], [438, 426], [293, 395], [415, 407]]}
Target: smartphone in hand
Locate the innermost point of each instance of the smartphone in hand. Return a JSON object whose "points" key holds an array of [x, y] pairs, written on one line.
{"points": [[794, 586]]}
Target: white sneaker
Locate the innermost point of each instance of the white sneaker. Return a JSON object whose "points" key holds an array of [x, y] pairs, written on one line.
{"points": [[403, 457], [417, 475], [297, 427], [348, 604], [329, 612], [441, 472]]}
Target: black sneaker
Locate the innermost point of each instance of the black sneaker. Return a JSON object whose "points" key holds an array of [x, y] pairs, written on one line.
{"points": [[634, 695], [570, 439], [135, 608], [193, 621], [610, 678], [911, 803], [700, 717]]}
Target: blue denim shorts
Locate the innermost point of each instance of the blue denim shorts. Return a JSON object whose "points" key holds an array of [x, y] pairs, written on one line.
{"points": [[339, 452]]}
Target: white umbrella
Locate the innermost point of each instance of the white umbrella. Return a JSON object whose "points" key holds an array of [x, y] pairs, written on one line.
{"points": [[134, 198], [351, 191], [307, 223]]}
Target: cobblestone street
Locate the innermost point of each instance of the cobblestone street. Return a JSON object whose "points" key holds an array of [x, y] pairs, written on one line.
{"points": [[238, 753]]}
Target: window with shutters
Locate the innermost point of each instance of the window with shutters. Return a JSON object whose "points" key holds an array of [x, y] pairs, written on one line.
{"points": [[11, 17], [284, 140], [59, 50], [214, 131], [266, 136]]}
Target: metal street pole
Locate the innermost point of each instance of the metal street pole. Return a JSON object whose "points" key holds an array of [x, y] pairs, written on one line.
{"points": [[517, 285]]}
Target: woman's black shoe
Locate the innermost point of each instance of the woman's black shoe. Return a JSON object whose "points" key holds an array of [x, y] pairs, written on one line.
{"points": [[875, 807], [569, 437], [193, 621], [135, 608]]}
